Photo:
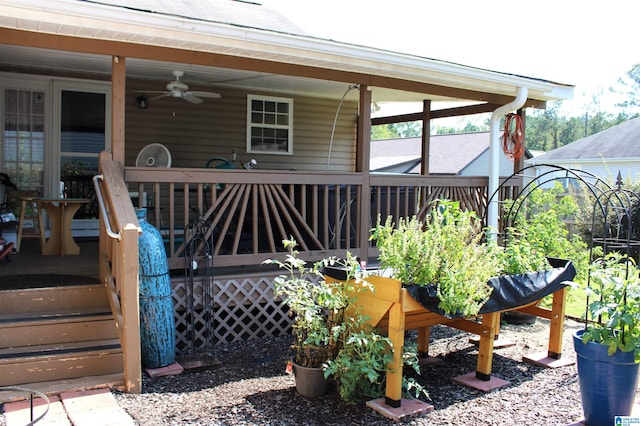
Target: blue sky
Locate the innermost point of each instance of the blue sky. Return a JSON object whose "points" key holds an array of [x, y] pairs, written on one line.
{"points": [[587, 43]]}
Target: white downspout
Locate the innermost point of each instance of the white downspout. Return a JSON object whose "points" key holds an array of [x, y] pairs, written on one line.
{"points": [[494, 156]]}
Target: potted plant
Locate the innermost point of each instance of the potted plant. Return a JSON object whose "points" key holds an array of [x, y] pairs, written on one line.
{"points": [[608, 348], [319, 310]]}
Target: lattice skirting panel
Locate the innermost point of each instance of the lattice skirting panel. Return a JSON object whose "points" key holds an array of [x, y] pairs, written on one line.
{"points": [[243, 308]]}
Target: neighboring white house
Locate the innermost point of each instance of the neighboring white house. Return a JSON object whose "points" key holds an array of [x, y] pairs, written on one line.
{"points": [[604, 154], [459, 154]]}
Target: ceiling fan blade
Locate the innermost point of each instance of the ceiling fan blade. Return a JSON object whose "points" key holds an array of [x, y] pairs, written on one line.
{"points": [[151, 91], [205, 94], [161, 96], [191, 98]]}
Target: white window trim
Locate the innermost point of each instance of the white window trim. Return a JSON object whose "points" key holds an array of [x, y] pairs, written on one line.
{"points": [[289, 127]]}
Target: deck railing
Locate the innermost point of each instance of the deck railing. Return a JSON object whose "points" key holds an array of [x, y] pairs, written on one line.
{"points": [[118, 257], [250, 212]]}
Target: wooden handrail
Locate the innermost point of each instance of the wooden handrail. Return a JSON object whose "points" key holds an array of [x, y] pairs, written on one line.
{"points": [[118, 259], [103, 209]]}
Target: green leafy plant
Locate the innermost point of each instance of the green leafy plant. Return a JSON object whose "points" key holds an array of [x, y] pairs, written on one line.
{"points": [[318, 307], [330, 332], [360, 368], [539, 230], [613, 316], [444, 250]]}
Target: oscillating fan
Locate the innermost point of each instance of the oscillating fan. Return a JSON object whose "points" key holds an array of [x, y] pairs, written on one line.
{"points": [[154, 155]]}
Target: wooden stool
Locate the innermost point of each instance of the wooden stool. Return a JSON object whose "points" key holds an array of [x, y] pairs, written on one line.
{"points": [[26, 201]]}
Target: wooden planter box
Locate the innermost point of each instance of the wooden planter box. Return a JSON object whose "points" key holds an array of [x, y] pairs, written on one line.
{"points": [[390, 307]]}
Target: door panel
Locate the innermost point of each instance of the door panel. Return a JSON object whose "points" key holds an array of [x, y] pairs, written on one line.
{"points": [[82, 138], [81, 132]]}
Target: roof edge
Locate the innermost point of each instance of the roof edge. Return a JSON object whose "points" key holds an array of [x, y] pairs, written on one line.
{"points": [[87, 19]]}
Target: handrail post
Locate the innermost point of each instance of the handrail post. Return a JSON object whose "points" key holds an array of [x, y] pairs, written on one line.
{"points": [[127, 275]]}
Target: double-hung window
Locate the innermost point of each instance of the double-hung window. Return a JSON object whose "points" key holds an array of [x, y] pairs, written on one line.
{"points": [[269, 125]]}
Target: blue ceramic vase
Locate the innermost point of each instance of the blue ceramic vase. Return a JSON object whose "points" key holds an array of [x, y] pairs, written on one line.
{"points": [[157, 323]]}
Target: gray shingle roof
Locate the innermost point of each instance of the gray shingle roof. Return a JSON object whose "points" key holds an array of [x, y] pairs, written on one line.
{"points": [[619, 141], [250, 14], [449, 154]]}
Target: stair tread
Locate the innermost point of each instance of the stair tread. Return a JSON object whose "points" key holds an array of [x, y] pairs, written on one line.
{"points": [[50, 288], [28, 353], [54, 316], [47, 300]]}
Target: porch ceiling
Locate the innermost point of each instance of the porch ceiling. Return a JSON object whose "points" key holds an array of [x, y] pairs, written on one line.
{"points": [[39, 60]]}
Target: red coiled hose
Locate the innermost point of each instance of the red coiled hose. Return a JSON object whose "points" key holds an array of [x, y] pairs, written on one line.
{"points": [[513, 137]]}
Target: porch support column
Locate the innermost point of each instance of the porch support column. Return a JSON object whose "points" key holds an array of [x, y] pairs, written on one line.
{"points": [[426, 136], [363, 154], [118, 85], [494, 157]]}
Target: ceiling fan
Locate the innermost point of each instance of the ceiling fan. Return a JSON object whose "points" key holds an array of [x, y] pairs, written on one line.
{"points": [[178, 89]]}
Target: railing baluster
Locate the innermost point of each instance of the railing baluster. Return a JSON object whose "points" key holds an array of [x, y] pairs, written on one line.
{"points": [[322, 210]]}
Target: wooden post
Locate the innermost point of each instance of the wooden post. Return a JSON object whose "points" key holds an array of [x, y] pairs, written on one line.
{"points": [[118, 85], [128, 275], [485, 350], [393, 395], [426, 137], [557, 323], [363, 152], [424, 335]]}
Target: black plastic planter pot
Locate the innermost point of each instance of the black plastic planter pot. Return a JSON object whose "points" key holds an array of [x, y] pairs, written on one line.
{"points": [[509, 291]]}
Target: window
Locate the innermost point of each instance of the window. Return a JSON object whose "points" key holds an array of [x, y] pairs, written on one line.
{"points": [[269, 125], [23, 148]]}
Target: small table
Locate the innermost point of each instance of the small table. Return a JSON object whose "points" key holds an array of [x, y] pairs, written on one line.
{"points": [[61, 212]]}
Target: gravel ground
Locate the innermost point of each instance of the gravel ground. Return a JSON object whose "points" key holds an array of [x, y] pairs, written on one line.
{"points": [[251, 388]]}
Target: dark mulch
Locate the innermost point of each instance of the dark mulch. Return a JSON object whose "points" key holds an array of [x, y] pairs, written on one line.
{"points": [[251, 388]]}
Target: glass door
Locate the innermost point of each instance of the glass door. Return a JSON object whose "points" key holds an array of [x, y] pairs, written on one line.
{"points": [[82, 133]]}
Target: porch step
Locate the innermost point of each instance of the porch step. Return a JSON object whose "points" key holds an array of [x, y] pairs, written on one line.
{"points": [[59, 361], [55, 334], [52, 299], [25, 330]]}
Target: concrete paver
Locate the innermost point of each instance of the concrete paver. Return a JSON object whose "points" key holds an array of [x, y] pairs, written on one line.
{"points": [[83, 408]]}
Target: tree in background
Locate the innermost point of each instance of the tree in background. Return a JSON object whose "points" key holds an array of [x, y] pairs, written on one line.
{"points": [[410, 129], [545, 129], [632, 85], [542, 128], [383, 131]]}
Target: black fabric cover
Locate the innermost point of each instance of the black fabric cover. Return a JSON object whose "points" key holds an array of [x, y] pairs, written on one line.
{"points": [[509, 291]]}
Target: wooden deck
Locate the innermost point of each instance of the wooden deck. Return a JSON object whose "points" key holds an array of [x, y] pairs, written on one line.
{"points": [[31, 261]]}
